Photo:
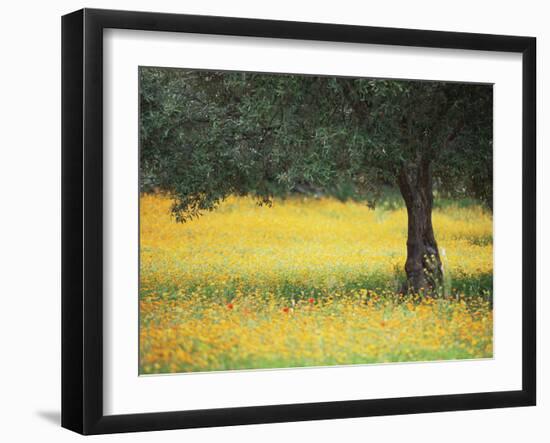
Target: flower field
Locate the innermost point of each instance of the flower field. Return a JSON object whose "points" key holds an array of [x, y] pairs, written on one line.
{"points": [[307, 282]]}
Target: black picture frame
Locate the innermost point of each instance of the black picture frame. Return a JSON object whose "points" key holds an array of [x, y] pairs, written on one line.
{"points": [[82, 218]]}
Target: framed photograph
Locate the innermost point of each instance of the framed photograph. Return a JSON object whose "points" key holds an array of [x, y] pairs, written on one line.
{"points": [[268, 221]]}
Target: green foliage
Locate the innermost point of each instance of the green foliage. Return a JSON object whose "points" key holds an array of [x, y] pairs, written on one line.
{"points": [[205, 135]]}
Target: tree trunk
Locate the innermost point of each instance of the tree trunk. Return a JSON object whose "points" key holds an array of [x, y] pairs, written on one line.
{"points": [[423, 266]]}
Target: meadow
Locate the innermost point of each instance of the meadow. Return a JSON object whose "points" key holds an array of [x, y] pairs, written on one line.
{"points": [[306, 282]]}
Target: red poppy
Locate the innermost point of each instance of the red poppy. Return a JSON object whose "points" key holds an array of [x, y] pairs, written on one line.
{"points": [[285, 309], [229, 305], [311, 300]]}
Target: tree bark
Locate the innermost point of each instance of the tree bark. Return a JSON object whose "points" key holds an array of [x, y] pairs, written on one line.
{"points": [[423, 266]]}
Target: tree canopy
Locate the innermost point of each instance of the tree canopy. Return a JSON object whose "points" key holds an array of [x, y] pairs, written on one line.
{"points": [[205, 135]]}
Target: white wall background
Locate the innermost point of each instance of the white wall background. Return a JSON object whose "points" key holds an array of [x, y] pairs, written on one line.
{"points": [[30, 218]]}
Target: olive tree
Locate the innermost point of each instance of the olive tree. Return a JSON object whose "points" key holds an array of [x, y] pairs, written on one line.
{"points": [[205, 135]]}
